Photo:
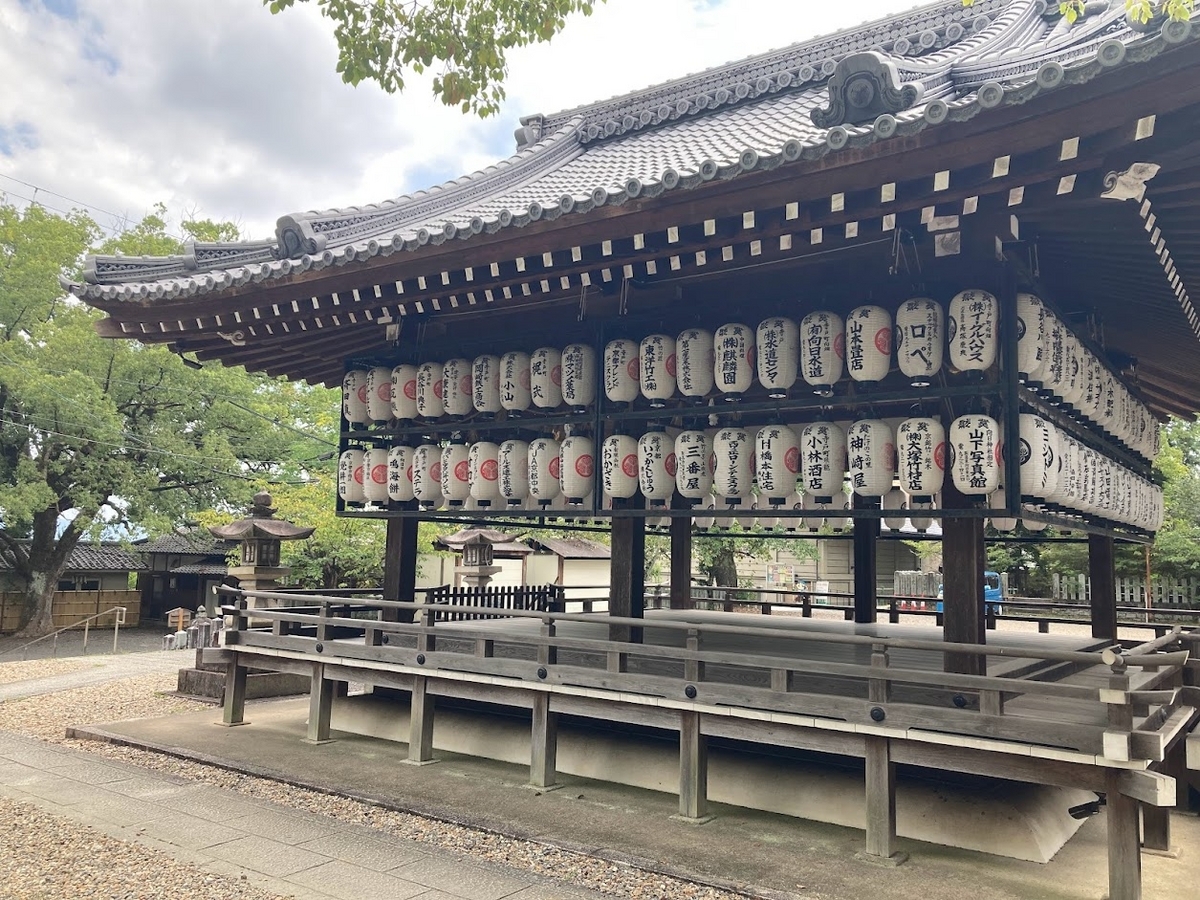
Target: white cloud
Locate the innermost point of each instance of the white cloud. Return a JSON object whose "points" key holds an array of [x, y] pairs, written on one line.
{"points": [[219, 108]]}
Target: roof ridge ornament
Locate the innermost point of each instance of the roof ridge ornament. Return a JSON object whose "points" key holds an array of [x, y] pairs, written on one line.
{"points": [[1130, 184], [863, 87]]}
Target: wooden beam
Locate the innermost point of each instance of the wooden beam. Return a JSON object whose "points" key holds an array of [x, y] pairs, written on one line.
{"points": [[320, 705], [681, 558], [963, 563], [420, 724], [400, 566], [693, 769], [1124, 846], [627, 589], [234, 711], [1103, 577], [866, 538], [543, 745], [881, 798]]}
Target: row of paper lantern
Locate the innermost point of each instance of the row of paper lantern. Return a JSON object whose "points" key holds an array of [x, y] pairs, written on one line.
{"points": [[1054, 362], [819, 349], [772, 464]]}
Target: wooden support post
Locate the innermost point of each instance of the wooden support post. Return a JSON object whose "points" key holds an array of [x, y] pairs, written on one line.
{"points": [[866, 538], [234, 712], [1124, 851], [400, 567], [1156, 828], [881, 802], [420, 724], [1103, 573], [693, 770], [681, 557], [543, 745], [627, 593], [320, 705], [963, 563]]}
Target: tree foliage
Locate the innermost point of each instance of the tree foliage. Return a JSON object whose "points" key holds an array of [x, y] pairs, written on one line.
{"points": [[97, 434], [464, 43]]}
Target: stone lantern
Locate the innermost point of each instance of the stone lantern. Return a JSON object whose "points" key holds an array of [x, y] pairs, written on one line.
{"points": [[476, 546], [260, 534]]}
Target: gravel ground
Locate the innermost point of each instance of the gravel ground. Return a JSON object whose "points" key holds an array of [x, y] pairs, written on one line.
{"points": [[11, 672], [42, 856], [47, 717]]}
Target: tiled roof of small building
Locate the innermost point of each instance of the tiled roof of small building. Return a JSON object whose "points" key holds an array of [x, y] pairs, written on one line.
{"points": [[188, 542], [87, 557], [951, 63]]}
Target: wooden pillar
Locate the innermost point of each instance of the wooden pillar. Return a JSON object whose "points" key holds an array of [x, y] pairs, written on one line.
{"points": [[420, 724], [400, 566], [627, 591], [693, 769], [320, 705], [543, 745], [964, 560], [1156, 828], [881, 798], [1124, 851], [866, 540], [1103, 573], [234, 712], [681, 557]]}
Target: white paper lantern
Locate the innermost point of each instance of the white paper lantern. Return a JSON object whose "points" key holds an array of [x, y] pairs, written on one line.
{"points": [[404, 392], [1038, 458], [1032, 338], [868, 343], [795, 503], [894, 500], [578, 467], [579, 376], [996, 500], [513, 464], [1108, 403], [1031, 525], [375, 472], [354, 397], [1073, 373], [656, 465], [974, 319], [400, 474], [545, 377], [693, 465], [485, 384], [706, 515], [733, 370], [734, 474], [456, 387], [915, 509], [871, 457], [379, 394], [427, 475], [822, 350], [658, 366], [1055, 367], [777, 342], [776, 463], [921, 458], [545, 468], [822, 461], [351, 477], [695, 355], [483, 472], [456, 474], [514, 382], [975, 450], [621, 371], [920, 330], [619, 466], [430, 391]]}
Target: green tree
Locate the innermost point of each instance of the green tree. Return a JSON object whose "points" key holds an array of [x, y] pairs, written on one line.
{"points": [[97, 434], [464, 42]]}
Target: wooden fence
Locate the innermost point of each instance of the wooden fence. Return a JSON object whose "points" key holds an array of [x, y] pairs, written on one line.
{"points": [[1179, 592], [529, 598], [71, 606]]}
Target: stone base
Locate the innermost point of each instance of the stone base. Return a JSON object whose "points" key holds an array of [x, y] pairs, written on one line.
{"points": [[886, 862], [210, 685]]}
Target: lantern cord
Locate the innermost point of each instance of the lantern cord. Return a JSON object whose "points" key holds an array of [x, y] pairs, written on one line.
{"points": [[623, 307], [583, 303]]}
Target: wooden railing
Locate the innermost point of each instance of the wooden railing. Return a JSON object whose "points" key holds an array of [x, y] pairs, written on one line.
{"points": [[1016, 702], [497, 598]]}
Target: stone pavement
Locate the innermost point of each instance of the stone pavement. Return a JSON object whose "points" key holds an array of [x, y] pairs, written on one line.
{"points": [[279, 849]]}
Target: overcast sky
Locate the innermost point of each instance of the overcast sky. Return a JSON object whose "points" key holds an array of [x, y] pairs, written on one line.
{"points": [[223, 111]]}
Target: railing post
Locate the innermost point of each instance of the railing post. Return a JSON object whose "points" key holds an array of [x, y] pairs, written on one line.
{"points": [[86, 623], [543, 746], [420, 723], [320, 706], [693, 669], [234, 710], [1117, 738], [547, 654], [693, 770]]}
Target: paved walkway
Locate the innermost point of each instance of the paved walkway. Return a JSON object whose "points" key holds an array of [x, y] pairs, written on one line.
{"points": [[99, 670], [279, 849]]}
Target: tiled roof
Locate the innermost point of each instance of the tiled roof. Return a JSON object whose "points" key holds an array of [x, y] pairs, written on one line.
{"points": [[201, 569], [189, 542], [757, 114], [572, 548], [103, 557]]}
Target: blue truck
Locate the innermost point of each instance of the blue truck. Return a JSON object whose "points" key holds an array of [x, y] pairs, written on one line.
{"points": [[993, 593]]}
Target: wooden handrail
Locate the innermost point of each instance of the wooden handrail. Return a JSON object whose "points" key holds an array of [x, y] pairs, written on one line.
{"points": [[85, 622]]}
